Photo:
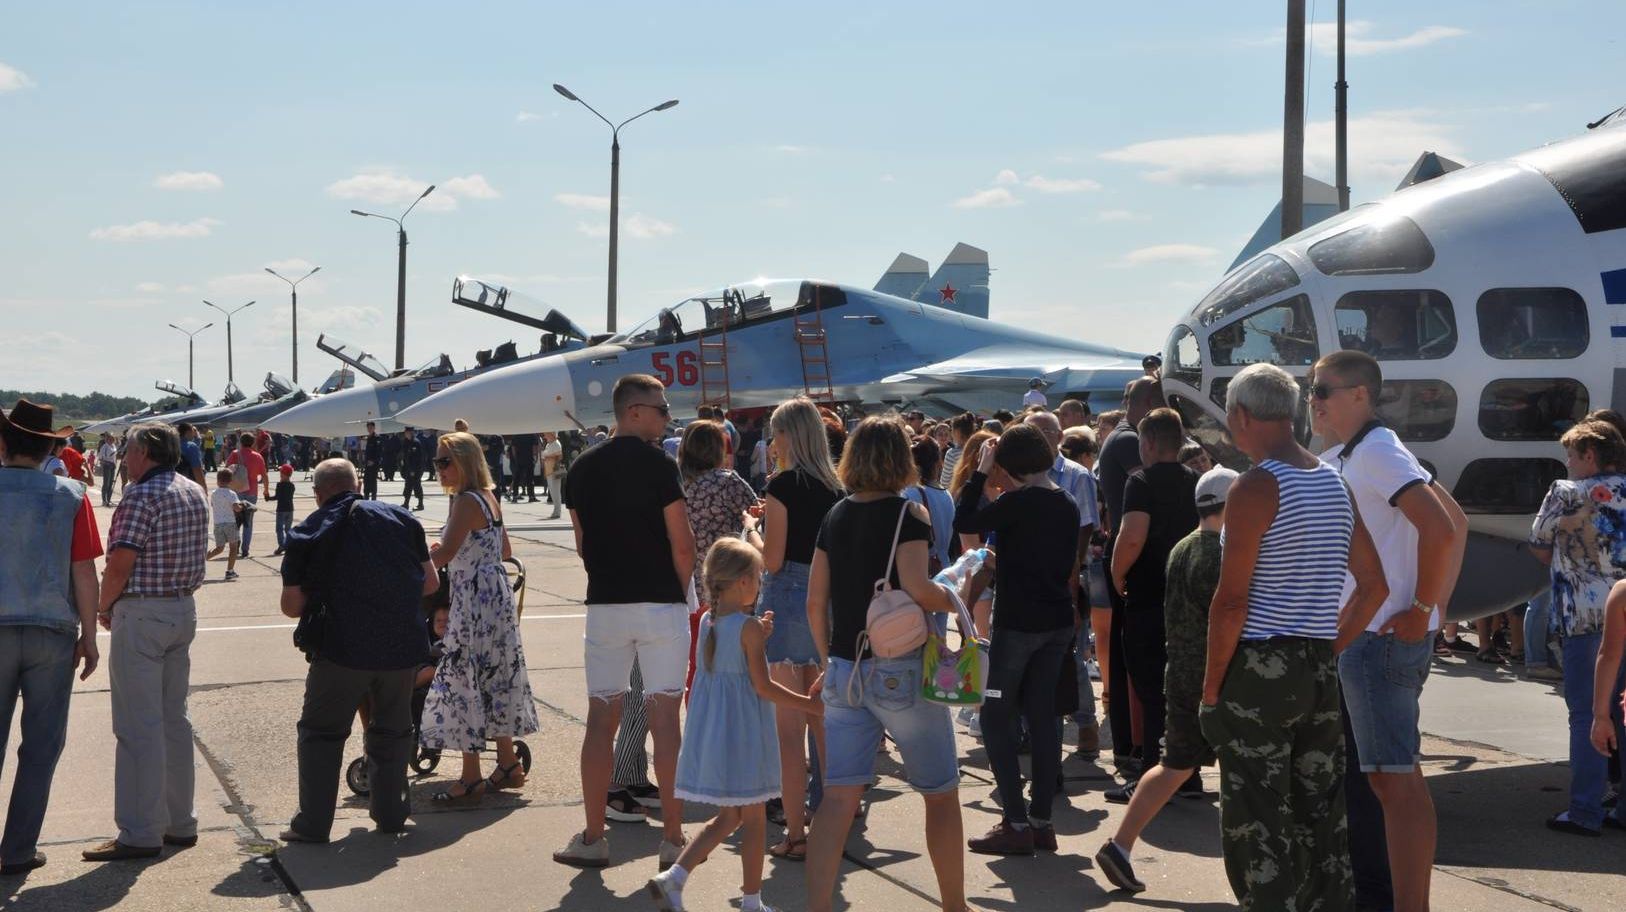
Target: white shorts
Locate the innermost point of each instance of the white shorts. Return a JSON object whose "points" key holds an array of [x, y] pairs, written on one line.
{"points": [[656, 633]]}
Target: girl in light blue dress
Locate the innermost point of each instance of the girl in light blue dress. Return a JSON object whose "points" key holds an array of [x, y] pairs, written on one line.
{"points": [[730, 754]]}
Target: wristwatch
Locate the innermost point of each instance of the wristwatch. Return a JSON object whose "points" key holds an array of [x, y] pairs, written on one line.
{"points": [[1425, 609]]}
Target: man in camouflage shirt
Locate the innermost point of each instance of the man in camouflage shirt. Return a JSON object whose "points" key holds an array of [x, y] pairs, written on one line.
{"points": [[1193, 575]]}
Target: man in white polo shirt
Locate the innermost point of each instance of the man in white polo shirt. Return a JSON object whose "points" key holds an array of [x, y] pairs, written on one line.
{"points": [[1419, 532]]}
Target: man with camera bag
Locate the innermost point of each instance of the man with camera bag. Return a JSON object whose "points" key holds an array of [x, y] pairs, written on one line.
{"points": [[355, 573]]}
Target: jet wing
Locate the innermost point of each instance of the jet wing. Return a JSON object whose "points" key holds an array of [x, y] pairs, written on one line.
{"points": [[353, 356], [997, 366]]}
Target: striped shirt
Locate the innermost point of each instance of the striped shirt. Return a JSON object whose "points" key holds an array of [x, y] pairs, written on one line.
{"points": [[1298, 580]]}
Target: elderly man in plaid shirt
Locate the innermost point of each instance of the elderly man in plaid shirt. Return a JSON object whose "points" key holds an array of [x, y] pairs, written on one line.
{"points": [[155, 561]]}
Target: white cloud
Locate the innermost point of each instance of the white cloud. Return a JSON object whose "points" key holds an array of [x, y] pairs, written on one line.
{"points": [[1118, 215], [156, 231], [583, 201], [1382, 146], [260, 282], [13, 79], [385, 186], [644, 227], [593, 229], [1060, 184], [1359, 41], [992, 198], [789, 149], [122, 303], [887, 178], [1005, 178], [48, 340], [188, 180], [526, 117], [150, 287], [1168, 253]]}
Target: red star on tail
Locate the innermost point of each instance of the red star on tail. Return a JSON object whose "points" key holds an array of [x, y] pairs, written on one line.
{"points": [[947, 291]]}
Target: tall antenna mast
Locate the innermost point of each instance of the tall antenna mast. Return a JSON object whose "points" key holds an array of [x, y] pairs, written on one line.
{"points": [[1341, 141], [1293, 124]]}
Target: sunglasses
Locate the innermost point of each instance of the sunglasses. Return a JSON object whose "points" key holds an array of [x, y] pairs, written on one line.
{"points": [[443, 462], [1324, 391], [664, 408]]}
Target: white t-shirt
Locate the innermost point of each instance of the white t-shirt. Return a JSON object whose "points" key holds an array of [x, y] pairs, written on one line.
{"points": [[221, 502], [1378, 469], [759, 458], [552, 450], [1034, 397]]}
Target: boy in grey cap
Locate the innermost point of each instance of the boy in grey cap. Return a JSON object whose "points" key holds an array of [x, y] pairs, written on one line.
{"points": [[1193, 575]]}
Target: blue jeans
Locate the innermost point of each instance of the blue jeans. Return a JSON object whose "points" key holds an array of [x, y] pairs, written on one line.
{"points": [[1537, 624], [1589, 770], [1023, 669], [285, 522], [1382, 678], [109, 471], [37, 663], [252, 497], [885, 699], [785, 594], [1085, 717]]}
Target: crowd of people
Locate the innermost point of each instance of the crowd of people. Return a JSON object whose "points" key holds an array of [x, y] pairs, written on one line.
{"points": [[758, 601]]}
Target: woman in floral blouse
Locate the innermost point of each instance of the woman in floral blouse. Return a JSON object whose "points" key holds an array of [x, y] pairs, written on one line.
{"points": [[718, 499], [1581, 532]]}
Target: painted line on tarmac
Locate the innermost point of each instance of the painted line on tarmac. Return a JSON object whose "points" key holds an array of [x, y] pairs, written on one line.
{"points": [[534, 617]]}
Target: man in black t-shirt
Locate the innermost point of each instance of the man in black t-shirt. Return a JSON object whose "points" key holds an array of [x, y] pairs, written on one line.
{"points": [[1159, 509], [1120, 455], [632, 532], [522, 456]]}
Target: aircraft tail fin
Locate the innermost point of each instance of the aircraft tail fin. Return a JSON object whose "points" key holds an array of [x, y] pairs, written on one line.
{"points": [[904, 277], [961, 283]]}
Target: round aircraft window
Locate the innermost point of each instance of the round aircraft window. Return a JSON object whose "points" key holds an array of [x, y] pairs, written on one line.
{"points": [[1383, 246], [1532, 323], [1418, 410], [1506, 485], [1531, 408], [1181, 359], [1397, 325]]}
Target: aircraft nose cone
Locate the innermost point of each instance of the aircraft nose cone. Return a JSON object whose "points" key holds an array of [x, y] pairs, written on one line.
{"points": [[522, 399], [339, 414]]}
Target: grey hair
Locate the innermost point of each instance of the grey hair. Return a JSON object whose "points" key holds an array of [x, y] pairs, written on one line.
{"points": [[159, 441], [332, 476], [1265, 391]]}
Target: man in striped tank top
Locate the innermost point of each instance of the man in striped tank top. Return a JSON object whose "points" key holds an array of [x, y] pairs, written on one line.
{"points": [[1277, 623], [1420, 534]]}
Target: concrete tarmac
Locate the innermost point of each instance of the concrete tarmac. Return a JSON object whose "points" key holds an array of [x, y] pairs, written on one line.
{"points": [[1494, 755]]}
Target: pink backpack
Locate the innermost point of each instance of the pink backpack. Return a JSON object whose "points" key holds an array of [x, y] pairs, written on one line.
{"points": [[894, 625]]}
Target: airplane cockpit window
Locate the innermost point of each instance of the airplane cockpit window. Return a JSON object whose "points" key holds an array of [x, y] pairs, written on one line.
{"points": [[439, 367], [343, 378], [1540, 323], [1181, 359], [1282, 334], [1505, 485], [1397, 325], [730, 307], [277, 386], [1418, 410], [1531, 409], [1383, 246], [1259, 278]]}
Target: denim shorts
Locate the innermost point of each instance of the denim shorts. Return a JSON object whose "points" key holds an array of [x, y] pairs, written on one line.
{"points": [[656, 634], [890, 704], [1382, 678], [785, 594]]}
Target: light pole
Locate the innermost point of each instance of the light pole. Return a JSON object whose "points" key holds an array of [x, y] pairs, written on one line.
{"points": [[189, 335], [293, 292], [400, 277], [615, 186], [229, 377]]}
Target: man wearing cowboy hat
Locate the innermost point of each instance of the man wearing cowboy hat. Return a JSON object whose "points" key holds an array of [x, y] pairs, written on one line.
{"points": [[155, 562], [48, 549]]}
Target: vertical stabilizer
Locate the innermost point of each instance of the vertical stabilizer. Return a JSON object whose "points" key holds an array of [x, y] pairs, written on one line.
{"points": [[904, 277], [961, 283]]}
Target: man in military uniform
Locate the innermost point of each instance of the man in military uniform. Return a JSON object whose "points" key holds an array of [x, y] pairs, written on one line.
{"points": [[412, 466], [372, 458]]}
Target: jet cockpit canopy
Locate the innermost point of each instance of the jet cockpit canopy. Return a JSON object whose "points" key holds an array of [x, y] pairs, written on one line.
{"points": [[233, 394], [353, 356], [341, 379], [175, 389], [277, 386], [437, 367], [745, 302]]}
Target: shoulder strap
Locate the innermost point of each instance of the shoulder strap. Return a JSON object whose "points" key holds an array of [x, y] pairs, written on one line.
{"points": [[897, 533], [485, 508]]}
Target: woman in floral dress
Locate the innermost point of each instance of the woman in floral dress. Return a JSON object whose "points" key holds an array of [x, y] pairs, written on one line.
{"points": [[718, 499], [480, 691]]}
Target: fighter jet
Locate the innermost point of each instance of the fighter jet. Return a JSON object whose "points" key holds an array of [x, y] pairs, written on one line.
{"points": [[757, 343], [345, 413], [181, 399], [1491, 295], [280, 394]]}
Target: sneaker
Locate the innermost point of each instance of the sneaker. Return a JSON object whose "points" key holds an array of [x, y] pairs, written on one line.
{"points": [[1003, 839], [1115, 864], [1094, 669], [1562, 823], [621, 807], [1122, 793], [1089, 741], [231, 574], [1612, 797], [582, 854], [1044, 838], [647, 795], [1543, 673], [669, 853], [966, 715], [668, 896], [974, 727]]}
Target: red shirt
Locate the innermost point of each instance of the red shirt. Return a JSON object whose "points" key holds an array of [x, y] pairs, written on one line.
{"points": [[255, 464], [75, 463], [87, 539]]}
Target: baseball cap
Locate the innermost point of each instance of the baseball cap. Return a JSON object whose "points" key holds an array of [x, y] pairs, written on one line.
{"points": [[285, 469], [1213, 486]]}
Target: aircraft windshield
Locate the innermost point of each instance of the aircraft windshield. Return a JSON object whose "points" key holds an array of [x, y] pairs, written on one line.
{"points": [[278, 385], [732, 306], [439, 367], [170, 386], [338, 380], [233, 394], [353, 356]]}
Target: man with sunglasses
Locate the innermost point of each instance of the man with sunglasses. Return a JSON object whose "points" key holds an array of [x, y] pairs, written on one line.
{"points": [[1420, 533], [632, 532]]}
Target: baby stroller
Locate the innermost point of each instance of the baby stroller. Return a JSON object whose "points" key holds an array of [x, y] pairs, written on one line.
{"points": [[425, 759]]}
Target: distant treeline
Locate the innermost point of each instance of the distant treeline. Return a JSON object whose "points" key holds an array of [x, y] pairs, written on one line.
{"points": [[95, 405]]}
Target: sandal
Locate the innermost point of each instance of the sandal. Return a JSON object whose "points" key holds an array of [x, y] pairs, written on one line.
{"points": [[1488, 656], [472, 791], [791, 850], [506, 777]]}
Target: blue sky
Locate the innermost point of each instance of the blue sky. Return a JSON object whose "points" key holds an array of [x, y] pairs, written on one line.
{"points": [[1111, 161]]}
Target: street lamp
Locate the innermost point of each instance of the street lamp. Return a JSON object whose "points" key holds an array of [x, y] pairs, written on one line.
{"points": [[400, 278], [228, 314], [615, 185], [189, 335], [293, 291]]}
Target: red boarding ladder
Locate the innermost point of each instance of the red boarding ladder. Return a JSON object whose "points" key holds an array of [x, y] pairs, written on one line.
{"points": [[815, 353], [714, 386]]}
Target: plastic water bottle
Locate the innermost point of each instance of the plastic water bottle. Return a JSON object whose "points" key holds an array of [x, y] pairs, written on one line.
{"points": [[962, 570]]}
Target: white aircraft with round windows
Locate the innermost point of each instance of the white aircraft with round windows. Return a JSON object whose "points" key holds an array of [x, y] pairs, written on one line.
{"points": [[1495, 299]]}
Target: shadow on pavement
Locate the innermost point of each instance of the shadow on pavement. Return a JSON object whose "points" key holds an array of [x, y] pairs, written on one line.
{"points": [[1494, 817], [100, 886]]}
